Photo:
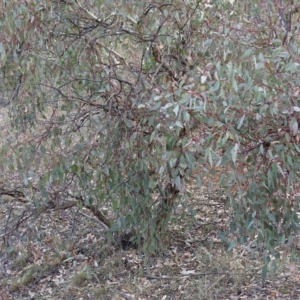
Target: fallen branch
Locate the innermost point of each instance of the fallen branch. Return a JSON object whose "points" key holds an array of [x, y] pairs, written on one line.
{"points": [[187, 275]]}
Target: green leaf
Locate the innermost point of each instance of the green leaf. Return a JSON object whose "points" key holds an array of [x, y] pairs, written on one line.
{"points": [[178, 124], [10, 249], [215, 86], [231, 245], [264, 272], [234, 85], [290, 66], [222, 236], [176, 110], [247, 53], [171, 142], [177, 182], [234, 152], [199, 181], [230, 73], [43, 150], [75, 169], [294, 126], [240, 123]]}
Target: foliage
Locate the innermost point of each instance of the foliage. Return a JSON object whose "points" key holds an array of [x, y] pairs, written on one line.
{"points": [[121, 104]]}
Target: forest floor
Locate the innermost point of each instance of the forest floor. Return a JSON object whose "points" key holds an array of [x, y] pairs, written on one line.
{"points": [[64, 254]]}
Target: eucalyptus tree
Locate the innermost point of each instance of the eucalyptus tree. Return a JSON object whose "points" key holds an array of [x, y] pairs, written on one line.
{"points": [[122, 105]]}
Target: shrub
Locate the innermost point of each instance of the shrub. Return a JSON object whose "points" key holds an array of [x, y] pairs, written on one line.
{"points": [[119, 105]]}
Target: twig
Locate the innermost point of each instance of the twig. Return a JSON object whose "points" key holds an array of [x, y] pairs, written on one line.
{"points": [[96, 278], [204, 224], [217, 281], [88, 12], [187, 275], [94, 219]]}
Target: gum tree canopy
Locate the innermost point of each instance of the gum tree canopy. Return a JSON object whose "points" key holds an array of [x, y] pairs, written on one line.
{"points": [[123, 105]]}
